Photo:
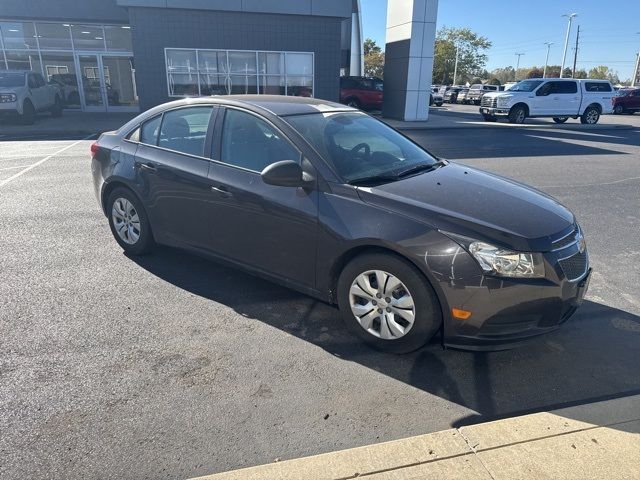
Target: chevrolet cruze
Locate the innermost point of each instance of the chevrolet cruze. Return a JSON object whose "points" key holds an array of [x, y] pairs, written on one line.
{"points": [[327, 200]]}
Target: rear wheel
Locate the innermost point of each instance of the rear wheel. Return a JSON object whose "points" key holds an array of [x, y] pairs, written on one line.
{"points": [[560, 119], [28, 113], [353, 103], [517, 114], [388, 303], [129, 222], [590, 116]]}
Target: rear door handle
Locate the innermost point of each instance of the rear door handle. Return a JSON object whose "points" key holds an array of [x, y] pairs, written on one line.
{"points": [[149, 167], [222, 191]]}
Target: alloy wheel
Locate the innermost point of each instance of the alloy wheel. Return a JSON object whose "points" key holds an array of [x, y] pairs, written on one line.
{"points": [[592, 116], [382, 304], [126, 221]]}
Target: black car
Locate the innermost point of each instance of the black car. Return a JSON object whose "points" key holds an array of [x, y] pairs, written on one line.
{"points": [[325, 199]]}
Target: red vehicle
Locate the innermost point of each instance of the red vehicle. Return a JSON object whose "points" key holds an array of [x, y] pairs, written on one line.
{"points": [[627, 101], [364, 93]]}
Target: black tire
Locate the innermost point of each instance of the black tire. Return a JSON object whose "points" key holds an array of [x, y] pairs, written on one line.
{"points": [[439, 104], [489, 118], [144, 243], [428, 317], [354, 103], [618, 109], [590, 116], [430, 99], [28, 116], [517, 114], [56, 110], [560, 119]]}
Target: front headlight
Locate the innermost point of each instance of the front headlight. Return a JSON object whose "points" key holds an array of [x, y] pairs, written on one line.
{"points": [[506, 263], [8, 97]]}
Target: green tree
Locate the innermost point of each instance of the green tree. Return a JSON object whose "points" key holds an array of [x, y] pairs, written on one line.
{"points": [[581, 73], [535, 72], [471, 56], [494, 81], [504, 75], [602, 72], [476, 80], [373, 59]]}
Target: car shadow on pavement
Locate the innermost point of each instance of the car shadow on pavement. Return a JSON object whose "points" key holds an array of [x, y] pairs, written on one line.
{"points": [[593, 357]]}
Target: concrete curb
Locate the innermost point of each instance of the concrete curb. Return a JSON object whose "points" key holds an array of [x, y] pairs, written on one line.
{"points": [[603, 437]]}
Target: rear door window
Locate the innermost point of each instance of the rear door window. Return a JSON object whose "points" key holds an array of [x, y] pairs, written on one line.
{"points": [[149, 131], [566, 87], [185, 130]]}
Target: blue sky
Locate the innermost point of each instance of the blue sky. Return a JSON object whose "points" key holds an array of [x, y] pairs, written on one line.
{"points": [[607, 30]]}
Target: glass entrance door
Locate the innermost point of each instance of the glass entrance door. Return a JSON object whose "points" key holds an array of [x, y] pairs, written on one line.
{"points": [[91, 83], [108, 82]]}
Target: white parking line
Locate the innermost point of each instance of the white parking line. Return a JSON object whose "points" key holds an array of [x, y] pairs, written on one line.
{"points": [[13, 168], [49, 157]]}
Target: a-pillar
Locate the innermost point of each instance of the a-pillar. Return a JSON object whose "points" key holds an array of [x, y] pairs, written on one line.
{"points": [[411, 34]]}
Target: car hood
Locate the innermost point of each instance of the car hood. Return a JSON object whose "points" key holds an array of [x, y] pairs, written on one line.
{"points": [[9, 89], [469, 202]]}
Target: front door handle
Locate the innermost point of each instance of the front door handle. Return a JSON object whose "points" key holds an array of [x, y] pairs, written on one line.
{"points": [[222, 191], [149, 167]]}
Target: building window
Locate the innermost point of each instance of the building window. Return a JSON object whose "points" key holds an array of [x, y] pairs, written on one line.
{"points": [[194, 72]]}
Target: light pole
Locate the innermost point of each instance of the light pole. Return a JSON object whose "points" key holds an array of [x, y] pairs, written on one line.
{"points": [[636, 71], [570, 16], [517, 65], [455, 69], [546, 62]]}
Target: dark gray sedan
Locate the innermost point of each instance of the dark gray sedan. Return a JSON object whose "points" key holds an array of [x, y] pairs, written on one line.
{"points": [[332, 202]]}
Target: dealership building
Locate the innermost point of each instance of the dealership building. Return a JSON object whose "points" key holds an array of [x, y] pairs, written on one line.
{"points": [[129, 55], [110, 55]]}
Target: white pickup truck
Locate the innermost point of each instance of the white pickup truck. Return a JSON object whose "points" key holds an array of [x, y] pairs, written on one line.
{"points": [[558, 98], [23, 93]]}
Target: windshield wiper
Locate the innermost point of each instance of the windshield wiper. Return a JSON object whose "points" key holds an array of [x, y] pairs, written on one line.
{"points": [[422, 167], [373, 179]]}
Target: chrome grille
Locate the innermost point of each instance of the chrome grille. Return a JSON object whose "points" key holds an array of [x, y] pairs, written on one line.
{"points": [[575, 266], [567, 240], [489, 102]]}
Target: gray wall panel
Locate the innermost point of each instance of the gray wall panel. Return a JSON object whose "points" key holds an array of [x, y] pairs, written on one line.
{"points": [[154, 29], [102, 11], [328, 8]]}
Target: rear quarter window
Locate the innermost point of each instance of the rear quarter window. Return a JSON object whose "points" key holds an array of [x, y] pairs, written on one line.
{"points": [[149, 131], [597, 87]]}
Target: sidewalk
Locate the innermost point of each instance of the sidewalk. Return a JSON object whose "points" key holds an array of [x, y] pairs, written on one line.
{"points": [[71, 123], [595, 441], [449, 118]]}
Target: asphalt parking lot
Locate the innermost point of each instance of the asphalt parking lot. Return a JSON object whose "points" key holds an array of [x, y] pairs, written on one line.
{"points": [[169, 366]]}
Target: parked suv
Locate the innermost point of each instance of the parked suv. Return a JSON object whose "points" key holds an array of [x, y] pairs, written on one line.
{"points": [[477, 91], [627, 101], [24, 93], [364, 93], [558, 98], [435, 97]]}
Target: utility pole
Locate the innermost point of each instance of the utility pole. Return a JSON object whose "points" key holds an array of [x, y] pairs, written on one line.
{"points": [[575, 55], [455, 69], [636, 73], [546, 62], [517, 65], [571, 16]]}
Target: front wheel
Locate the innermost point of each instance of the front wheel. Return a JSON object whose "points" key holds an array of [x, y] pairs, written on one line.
{"points": [[618, 109], [560, 119], [388, 303], [354, 103], [590, 116], [517, 114], [129, 222], [489, 118], [28, 116]]}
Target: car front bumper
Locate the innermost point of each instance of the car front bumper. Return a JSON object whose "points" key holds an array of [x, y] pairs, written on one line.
{"points": [[495, 111], [503, 312]]}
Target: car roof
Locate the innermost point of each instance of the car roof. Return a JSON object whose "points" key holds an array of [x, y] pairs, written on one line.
{"points": [[279, 105]]}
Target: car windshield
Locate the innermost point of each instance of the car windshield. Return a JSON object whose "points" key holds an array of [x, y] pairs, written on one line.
{"points": [[11, 79], [359, 147], [525, 86]]}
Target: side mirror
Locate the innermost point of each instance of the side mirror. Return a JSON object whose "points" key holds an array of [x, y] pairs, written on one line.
{"points": [[286, 173]]}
